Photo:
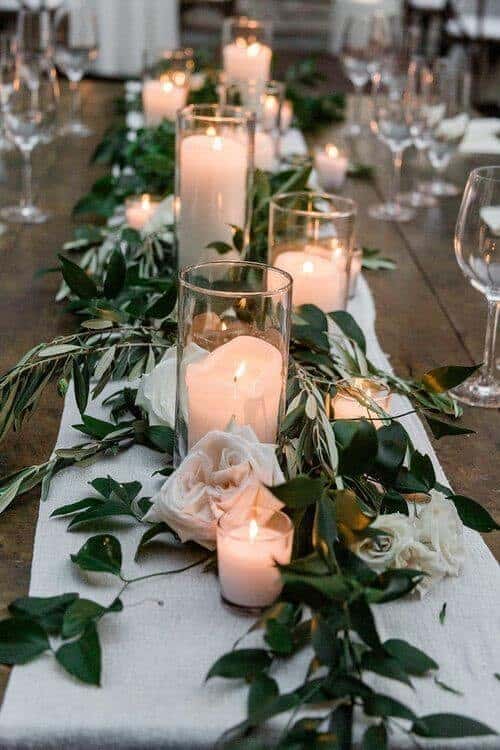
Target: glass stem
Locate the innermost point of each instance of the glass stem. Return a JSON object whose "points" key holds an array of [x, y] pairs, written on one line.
{"points": [[75, 100], [489, 364], [396, 179], [27, 197], [356, 106]]}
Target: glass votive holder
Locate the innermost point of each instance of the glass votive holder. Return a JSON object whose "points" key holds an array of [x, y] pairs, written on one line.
{"points": [[139, 209], [331, 167], [165, 84], [356, 266], [249, 544], [213, 174], [311, 237], [246, 48], [232, 348], [360, 398]]}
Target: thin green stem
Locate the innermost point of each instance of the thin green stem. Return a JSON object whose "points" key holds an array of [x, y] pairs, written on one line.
{"points": [[167, 572]]}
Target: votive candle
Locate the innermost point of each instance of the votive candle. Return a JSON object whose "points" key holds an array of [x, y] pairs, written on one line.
{"points": [[331, 167], [353, 397], [247, 60], [139, 210], [162, 98]]}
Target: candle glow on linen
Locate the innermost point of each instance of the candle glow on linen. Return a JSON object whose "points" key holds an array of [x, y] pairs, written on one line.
{"points": [[138, 211], [162, 98], [240, 380], [245, 60], [213, 184]]}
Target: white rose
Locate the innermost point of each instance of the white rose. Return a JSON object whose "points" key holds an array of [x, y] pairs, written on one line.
{"points": [[157, 389], [162, 217], [222, 472], [439, 527], [384, 550], [134, 120]]}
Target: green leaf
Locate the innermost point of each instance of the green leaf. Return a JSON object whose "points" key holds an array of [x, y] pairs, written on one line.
{"points": [[387, 666], [79, 615], [101, 553], [446, 687], [47, 611], [412, 659], [164, 305], [363, 622], [81, 382], [115, 274], [442, 614], [349, 328], [263, 691], [383, 705], [340, 724], [279, 637], [449, 725], [325, 642], [375, 738], [325, 528], [393, 502], [21, 641], [221, 247], [440, 427], [96, 428], [151, 533], [443, 378], [78, 281], [299, 492], [82, 658], [245, 663], [357, 442], [161, 437], [313, 316], [392, 445], [473, 515], [108, 509]]}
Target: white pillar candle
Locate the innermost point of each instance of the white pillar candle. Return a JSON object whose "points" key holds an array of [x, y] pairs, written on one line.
{"points": [[244, 62], [286, 115], [345, 405], [247, 553], [317, 280], [265, 151], [161, 99], [331, 167], [213, 188], [240, 380], [139, 210]]}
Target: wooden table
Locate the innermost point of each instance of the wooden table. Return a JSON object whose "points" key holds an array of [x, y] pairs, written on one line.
{"points": [[427, 315]]}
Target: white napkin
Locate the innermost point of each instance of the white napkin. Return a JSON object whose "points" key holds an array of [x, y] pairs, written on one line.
{"points": [[481, 137], [491, 216]]}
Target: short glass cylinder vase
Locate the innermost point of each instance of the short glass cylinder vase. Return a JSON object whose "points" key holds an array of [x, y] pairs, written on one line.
{"points": [[232, 350], [247, 49], [213, 177], [165, 85], [311, 236]]}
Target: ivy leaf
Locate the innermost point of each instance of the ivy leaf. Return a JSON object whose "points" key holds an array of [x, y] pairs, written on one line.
{"points": [[115, 274], [77, 279], [412, 659], [21, 640], [443, 378], [473, 515], [47, 611], [387, 666], [108, 509], [383, 705], [82, 658], [449, 725], [299, 492], [340, 724], [358, 445], [152, 532], [245, 663], [82, 612], [349, 328], [363, 622], [441, 427], [375, 738], [313, 316], [263, 691], [161, 437], [101, 553], [392, 444], [279, 637]]}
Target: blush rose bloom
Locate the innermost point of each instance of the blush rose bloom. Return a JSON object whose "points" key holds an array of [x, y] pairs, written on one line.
{"points": [[223, 472]]}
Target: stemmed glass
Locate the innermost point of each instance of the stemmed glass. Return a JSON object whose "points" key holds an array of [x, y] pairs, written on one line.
{"points": [[7, 72], [391, 124], [76, 47], [477, 247], [29, 114]]}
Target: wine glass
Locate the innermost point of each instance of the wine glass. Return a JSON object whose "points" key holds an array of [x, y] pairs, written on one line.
{"points": [[477, 247], [76, 47], [391, 125], [29, 115], [363, 43], [449, 106], [7, 72]]}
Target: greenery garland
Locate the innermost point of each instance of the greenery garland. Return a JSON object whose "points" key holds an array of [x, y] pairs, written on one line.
{"points": [[341, 475]]}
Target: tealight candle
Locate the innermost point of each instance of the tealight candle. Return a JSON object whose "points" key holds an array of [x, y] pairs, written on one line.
{"points": [[331, 167], [286, 115], [163, 97], [319, 274], [353, 398], [139, 210], [240, 380], [248, 547], [247, 60]]}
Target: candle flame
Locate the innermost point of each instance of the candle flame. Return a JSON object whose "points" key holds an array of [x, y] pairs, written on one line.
{"points": [[308, 267], [253, 530], [179, 78], [167, 85], [240, 371], [253, 49], [223, 326], [211, 130], [146, 201], [331, 151]]}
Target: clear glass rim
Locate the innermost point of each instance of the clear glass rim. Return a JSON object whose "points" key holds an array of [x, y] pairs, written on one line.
{"points": [[217, 113], [384, 388], [351, 208], [285, 534], [285, 288], [479, 173]]}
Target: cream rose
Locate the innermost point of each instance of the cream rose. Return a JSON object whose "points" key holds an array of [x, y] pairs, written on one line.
{"points": [[222, 472], [440, 529], [162, 217], [384, 550]]}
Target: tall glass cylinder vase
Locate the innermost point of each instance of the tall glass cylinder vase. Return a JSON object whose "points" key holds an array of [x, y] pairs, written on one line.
{"points": [[311, 237], [247, 49], [165, 86], [232, 350], [213, 173]]}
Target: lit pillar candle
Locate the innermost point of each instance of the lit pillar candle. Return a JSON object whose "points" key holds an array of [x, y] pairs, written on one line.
{"points": [[248, 548], [139, 210], [265, 151], [345, 405], [286, 115], [240, 380], [161, 99], [317, 280], [213, 178], [331, 167], [244, 61]]}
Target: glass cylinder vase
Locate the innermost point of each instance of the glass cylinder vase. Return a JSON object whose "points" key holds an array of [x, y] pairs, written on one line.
{"points": [[311, 237], [247, 48], [213, 174], [232, 350], [165, 85]]}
